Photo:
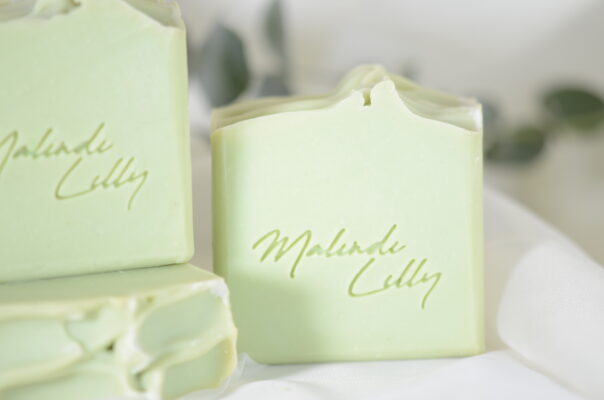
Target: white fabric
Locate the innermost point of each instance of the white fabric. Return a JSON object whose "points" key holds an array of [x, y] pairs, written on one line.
{"points": [[552, 313], [545, 325], [494, 376]]}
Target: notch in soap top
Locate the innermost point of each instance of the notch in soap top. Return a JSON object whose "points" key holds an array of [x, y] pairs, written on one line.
{"points": [[424, 102]]}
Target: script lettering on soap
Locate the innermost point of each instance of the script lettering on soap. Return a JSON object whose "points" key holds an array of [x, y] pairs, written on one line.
{"points": [[413, 272], [72, 184]]}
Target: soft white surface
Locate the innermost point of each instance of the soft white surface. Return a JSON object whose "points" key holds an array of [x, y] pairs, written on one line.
{"points": [[552, 313], [545, 325]]}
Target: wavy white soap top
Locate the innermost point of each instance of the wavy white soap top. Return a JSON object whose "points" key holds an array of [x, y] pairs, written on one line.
{"points": [[165, 12], [427, 103]]}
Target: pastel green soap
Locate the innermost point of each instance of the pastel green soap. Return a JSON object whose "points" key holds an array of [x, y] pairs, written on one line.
{"points": [[94, 142], [349, 225], [161, 332]]}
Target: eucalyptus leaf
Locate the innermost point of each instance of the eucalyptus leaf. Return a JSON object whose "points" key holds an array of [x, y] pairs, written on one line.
{"points": [[490, 114], [490, 121], [522, 146], [274, 85], [578, 109], [275, 30], [192, 58], [222, 66]]}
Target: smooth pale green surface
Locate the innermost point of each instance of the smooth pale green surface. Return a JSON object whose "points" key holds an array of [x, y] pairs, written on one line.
{"points": [[77, 203], [378, 155], [163, 332]]}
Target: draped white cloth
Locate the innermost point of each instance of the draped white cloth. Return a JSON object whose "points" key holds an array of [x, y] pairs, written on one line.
{"points": [[545, 326]]}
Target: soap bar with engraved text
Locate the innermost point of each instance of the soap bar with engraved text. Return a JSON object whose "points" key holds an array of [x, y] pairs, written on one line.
{"points": [[349, 226], [94, 152]]}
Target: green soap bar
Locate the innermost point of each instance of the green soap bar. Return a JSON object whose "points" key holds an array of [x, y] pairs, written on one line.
{"points": [[349, 226], [161, 332], [94, 143]]}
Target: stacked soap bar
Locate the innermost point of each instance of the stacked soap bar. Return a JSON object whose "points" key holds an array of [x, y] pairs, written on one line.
{"points": [[163, 331], [95, 180], [94, 145], [349, 226]]}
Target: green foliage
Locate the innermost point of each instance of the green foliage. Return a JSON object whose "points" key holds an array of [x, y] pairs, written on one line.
{"points": [[523, 145], [275, 30], [564, 109], [222, 66], [577, 109], [274, 85], [489, 113], [490, 120]]}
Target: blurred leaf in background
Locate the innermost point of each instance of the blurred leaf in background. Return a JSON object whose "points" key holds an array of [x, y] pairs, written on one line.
{"points": [[276, 84], [565, 108], [221, 66], [577, 109], [521, 146], [275, 30], [490, 124]]}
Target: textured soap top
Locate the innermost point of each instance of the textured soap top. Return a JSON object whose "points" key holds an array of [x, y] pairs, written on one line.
{"points": [[349, 225], [94, 145], [425, 102], [120, 284], [162, 332], [163, 11]]}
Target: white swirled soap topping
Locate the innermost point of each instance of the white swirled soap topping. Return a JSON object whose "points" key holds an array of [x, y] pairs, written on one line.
{"points": [[165, 12], [425, 102]]}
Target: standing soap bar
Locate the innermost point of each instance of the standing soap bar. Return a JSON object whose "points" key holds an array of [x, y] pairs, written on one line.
{"points": [[94, 153], [349, 226], [161, 332]]}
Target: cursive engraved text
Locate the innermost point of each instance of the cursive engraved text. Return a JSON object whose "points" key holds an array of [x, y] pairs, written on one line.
{"points": [[301, 247]]}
